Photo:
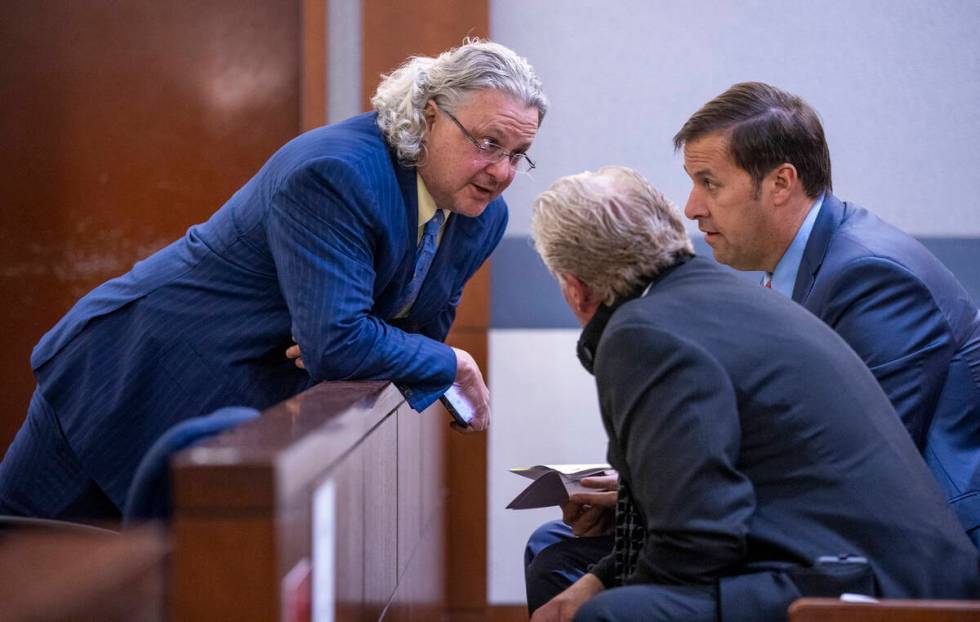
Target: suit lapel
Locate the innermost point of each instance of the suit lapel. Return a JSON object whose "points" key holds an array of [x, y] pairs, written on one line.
{"points": [[830, 217], [408, 189], [459, 239]]}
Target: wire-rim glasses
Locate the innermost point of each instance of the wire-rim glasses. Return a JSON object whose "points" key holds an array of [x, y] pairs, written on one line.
{"points": [[491, 152]]}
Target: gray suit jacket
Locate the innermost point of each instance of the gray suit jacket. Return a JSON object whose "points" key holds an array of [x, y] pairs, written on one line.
{"points": [[753, 439]]}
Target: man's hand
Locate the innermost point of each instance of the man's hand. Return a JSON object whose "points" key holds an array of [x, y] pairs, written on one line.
{"points": [[293, 352], [562, 608], [591, 514], [468, 378], [471, 385]]}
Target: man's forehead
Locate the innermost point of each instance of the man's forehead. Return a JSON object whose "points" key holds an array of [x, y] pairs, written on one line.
{"points": [[706, 152]]}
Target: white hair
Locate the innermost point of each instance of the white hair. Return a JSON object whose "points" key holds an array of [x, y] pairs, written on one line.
{"points": [[448, 79], [610, 229]]}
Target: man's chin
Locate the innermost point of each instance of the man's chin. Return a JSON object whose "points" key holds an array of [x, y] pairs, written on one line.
{"points": [[470, 209]]}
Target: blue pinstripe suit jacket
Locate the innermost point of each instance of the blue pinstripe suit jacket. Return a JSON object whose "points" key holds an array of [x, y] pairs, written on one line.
{"points": [[317, 246]]}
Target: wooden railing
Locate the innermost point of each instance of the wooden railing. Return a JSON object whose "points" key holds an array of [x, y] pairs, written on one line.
{"points": [[331, 502]]}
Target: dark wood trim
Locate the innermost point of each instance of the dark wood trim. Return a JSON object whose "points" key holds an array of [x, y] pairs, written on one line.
{"points": [[313, 86], [393, 31], [886, 610], [492, 613]]}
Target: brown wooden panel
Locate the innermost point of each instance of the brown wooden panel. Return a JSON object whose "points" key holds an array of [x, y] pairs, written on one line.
{"points": [[393, 31], [435, 428], [349, 538], [420, 594], [473, 312], [252, 537], [314, 84], [271, 459], [122, 124], [833, 610], [66, 577], [507, 613], [410, 484], [224, 569], [466, 512], [380, 516]]}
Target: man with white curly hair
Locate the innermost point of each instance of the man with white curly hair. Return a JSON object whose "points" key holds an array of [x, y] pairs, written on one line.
{"points": [[354, 239], [758, 459]]}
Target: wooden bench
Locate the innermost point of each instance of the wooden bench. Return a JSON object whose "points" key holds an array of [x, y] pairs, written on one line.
{"points": [[832, 609]]}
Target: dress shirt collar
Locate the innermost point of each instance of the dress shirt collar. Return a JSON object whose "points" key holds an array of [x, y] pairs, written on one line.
{"points": [[427, 209], [784, 276]]}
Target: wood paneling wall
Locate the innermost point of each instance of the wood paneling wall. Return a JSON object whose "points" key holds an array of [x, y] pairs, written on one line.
{"points": [[123, 122], [126, 121], [393, 31]]}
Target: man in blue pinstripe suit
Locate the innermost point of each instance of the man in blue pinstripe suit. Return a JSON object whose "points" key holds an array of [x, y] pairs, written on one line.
{"points": [[355, 240]]}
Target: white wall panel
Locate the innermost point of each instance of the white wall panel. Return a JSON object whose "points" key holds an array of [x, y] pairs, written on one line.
{"points": [[545, 411]]}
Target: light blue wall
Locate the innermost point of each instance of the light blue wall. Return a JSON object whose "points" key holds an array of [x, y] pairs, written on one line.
{"points": [[897, 84]]}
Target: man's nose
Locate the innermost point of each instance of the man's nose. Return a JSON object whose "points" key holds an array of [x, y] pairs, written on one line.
{"points": [[694, 208], [501, 170]]}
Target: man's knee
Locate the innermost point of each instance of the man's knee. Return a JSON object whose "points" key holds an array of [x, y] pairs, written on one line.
{"points": [[40, 475], [547, 575], [544, 536]]}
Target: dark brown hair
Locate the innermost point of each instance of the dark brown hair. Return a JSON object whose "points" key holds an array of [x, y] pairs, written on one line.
{"points": [[766, 127]]}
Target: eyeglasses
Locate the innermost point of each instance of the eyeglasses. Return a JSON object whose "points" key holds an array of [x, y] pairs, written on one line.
{"points": [[492, 153]]}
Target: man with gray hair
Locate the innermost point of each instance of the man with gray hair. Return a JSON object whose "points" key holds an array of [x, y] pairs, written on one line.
{"points": [[354, 239], [758, 459]]}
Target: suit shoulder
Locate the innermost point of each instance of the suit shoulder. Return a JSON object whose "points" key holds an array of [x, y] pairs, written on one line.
{"points": [[496, 216], [862, 234], [354, 145], [634, 339], [867, 246]]}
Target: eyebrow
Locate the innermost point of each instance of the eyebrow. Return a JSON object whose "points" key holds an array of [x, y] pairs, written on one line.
{"points": [[699, 173], [498, 137], [495, 132]]}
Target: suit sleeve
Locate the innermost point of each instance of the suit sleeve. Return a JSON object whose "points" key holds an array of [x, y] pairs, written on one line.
{"points": [[322, 234], [673, 420], [890, 318]]}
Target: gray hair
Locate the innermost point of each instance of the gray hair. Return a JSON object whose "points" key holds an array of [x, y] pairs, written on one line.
{"points": [[610, 229], [449, 79]]}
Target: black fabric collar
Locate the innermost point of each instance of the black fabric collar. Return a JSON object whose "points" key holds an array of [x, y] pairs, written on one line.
{"points": [[588, 341]]}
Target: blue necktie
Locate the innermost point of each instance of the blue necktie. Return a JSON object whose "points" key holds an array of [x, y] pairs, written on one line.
{"points": [[424, 253]]}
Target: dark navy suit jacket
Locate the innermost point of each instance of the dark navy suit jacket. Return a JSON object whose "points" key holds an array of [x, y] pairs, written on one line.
{"points": [[751, 437], [914, 326], [318, 247]]}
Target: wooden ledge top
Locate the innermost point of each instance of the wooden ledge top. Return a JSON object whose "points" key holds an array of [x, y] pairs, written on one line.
{"points": [[280, 452]]}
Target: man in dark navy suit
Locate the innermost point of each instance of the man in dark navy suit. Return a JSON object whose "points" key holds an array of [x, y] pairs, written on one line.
{"points": [[355, 240], [758, 458], [760, 168]]}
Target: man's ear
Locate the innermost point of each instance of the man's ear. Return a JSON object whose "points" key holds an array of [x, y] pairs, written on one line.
{"points": [[579, 295], [573, 289], [429, 112], [783, 182]]}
